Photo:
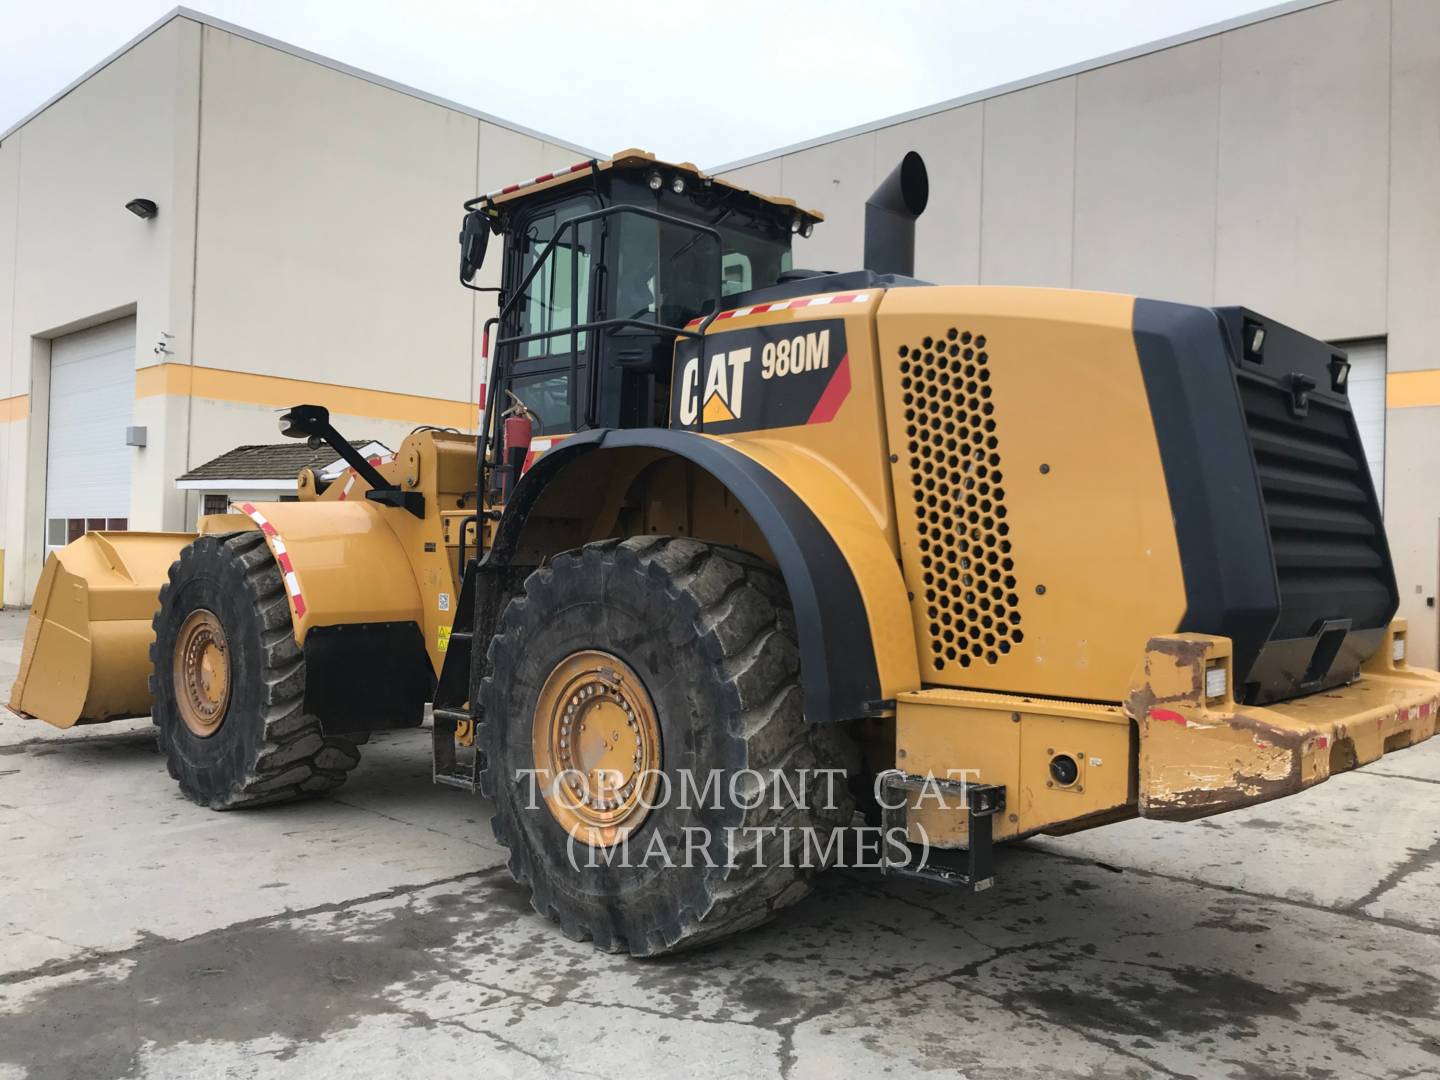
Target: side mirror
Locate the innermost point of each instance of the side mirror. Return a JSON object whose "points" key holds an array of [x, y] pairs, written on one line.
{"points": [[305, 422], [474, 239]]}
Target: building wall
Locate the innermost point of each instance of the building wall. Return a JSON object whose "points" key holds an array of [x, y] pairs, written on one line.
{"points": [[1288, 165], [326, 256], [305, 251], [71, 256]]}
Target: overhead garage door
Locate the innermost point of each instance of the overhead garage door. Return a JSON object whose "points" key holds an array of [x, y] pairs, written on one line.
{"points": [[92, 395], [1367, 402]]}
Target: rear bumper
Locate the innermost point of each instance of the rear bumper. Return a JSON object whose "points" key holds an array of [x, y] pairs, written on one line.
{"points": [[1203, 754]]}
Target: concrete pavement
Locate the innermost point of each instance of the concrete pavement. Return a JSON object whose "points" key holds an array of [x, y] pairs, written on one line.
{"points": [[377, 933]]}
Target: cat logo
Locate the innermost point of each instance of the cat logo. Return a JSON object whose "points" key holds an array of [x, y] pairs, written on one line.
{"points": [[761, 377], [724, 392]]}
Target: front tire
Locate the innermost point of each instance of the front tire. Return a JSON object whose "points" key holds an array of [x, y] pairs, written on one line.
{"points": [[699, 641], [228, 682]]}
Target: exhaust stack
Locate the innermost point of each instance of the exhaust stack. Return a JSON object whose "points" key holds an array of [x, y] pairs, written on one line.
{"points": [[890, 215]]}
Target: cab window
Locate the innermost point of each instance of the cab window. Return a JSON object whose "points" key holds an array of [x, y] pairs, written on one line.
{"points": [[563, 278], [557, 299], [750, 262]]}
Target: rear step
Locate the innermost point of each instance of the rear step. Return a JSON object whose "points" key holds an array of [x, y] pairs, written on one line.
{"points": [[972, 869], [450, 768], [452, 723]]}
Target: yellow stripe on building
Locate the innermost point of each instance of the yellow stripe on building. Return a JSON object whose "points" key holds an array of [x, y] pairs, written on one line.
{"points": [[14, 408], [1408, 389], [185, 380]]}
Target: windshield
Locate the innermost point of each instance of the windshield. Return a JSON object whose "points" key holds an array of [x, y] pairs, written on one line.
{"points": [[665, 271]]}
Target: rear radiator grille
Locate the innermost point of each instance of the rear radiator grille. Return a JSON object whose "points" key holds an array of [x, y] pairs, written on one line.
{"points": [[1325, 532], [966, 564]]}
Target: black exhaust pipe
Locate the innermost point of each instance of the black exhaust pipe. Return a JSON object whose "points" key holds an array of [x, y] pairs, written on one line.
{"points": [[890, 215]]}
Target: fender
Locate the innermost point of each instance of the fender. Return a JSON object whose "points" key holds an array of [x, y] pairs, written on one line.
{"points": [[851, 611], [342, 563], [356, 609]]}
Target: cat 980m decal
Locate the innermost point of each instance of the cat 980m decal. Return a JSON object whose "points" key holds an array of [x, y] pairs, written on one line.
{"points": [[764, 377]]}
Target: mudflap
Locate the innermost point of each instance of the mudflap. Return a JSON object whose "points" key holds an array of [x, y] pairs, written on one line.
{"points": [[86, 654], [1201, 753]]}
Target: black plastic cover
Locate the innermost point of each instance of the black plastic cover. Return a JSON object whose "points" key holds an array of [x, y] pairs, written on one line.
{"points": [[1281, 542]]}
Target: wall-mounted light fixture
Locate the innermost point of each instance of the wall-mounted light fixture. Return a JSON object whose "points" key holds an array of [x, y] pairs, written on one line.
{"points": [[143, 208]]}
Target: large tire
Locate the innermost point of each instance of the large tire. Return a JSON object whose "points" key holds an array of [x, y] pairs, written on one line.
{"points": [[266, 748], [710, 633]]}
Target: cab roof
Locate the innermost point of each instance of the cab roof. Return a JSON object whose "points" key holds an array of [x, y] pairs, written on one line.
{"points": [[637, 160]]}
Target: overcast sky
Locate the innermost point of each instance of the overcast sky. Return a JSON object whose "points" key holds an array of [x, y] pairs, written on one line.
{"points": [[710, 83]]}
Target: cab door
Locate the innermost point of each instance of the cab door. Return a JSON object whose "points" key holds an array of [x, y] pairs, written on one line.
{"points": [[549, 366]]}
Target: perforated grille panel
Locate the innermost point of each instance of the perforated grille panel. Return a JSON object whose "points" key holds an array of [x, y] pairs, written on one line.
{"points": [[967, 568]]}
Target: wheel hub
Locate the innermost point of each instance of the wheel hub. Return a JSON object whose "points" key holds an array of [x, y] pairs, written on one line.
{"points": [[202, 672], [597, 747]]}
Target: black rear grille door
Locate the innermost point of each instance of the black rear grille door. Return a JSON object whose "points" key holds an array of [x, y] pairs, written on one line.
{"points": [[1281, 541], [1332, 563]]}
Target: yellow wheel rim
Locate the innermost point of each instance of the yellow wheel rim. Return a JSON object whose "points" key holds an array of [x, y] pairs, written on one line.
{"points": [[202, 673], [596, 741]]}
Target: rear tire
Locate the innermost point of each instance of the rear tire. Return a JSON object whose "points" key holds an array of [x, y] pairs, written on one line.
{"points": [[265, 747], [710, 633]]}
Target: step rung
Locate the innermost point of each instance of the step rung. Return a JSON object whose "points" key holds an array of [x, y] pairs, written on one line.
{"points": [[461, 782]]}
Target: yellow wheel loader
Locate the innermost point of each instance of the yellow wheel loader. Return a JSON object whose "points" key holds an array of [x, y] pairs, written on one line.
{"points": [[745, 553]]}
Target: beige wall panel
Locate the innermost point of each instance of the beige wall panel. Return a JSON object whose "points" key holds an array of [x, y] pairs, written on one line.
{"points": [[185, 140], [11, 463], [1302, 197], [559, 157], [1412, 521], [947, 236], [80, 258], [1145, 174], [10, 382], [1029, 206], [168, 423], [221, 426], [835, 179], [298, 163], [763, 176], [13, 438], [508, 157], [110, 140], [505, 157], [1414, 292]]}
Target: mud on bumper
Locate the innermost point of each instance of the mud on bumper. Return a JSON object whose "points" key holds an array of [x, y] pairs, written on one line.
{"points": [[1202, 753]]}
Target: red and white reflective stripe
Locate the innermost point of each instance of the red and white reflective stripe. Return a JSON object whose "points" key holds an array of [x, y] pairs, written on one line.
{"points": [[484, 373], [277, 547], [579, 166], [782, 305], [538, 446]]}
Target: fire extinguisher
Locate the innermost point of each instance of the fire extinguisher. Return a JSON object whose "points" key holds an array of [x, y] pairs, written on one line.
{"points": [[518, 424]]}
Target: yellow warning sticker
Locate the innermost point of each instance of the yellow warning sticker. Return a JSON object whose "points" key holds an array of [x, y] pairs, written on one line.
{"points": [[442, 638]]}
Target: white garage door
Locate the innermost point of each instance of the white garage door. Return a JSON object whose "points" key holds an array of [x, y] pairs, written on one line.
{"points": [[92, 395], [1367, 402]]}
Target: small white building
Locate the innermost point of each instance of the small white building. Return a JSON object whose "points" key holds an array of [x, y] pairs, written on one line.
{"points": [[267, 472]]}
